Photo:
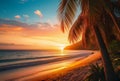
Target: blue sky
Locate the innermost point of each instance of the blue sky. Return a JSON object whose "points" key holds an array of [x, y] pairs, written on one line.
{"points": [[11, 8], [30, 24]]}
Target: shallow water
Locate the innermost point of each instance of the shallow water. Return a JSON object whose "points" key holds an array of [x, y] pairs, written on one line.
{"points": [[19, 64]]}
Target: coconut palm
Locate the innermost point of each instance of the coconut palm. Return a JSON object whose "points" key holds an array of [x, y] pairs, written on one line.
{"points": [[96, 19]]}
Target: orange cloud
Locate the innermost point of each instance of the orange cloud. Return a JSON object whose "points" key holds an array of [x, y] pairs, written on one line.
{"points": [[10, 28], [39, 35], [38, 12], [17, 16]]}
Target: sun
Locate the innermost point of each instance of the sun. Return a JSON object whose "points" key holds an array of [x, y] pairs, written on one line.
{"points": [[62, 50], [62, 47]]}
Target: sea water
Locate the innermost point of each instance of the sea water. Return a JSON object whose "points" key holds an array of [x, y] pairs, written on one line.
{"points": [[14, 61]]}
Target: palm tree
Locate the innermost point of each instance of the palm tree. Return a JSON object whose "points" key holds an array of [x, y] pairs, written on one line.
{"points": [[96, 18]]}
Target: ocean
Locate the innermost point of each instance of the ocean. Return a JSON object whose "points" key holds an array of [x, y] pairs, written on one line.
{"points": [[16, 61]]}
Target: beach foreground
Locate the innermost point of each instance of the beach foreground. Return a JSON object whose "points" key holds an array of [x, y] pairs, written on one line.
{"points": [[75, 72]]}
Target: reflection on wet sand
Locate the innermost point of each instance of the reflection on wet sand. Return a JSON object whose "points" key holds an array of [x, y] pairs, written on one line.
{"points": [[35, 71], [66, 60]]}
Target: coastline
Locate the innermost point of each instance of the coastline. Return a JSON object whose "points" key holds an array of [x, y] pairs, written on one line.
{"points": [[75, 72]]}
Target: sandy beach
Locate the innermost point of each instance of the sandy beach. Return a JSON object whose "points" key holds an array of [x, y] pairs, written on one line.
{"points": [[75, 72]]}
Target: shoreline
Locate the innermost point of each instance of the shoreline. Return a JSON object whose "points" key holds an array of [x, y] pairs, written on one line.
{"points": [[75, 72]]}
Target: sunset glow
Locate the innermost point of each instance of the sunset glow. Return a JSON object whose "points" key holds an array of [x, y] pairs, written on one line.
{"points": [[62, 47], [31, 27], [59, 40]]}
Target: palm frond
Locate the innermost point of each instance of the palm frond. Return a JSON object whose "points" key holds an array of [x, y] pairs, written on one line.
{"points": [[76, 29], [66, 13], [107, 27], [93, 12], [84, 6], [107, 7]]}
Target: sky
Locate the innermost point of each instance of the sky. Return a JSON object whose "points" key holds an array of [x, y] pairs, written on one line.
{"points": [[30, 24]]}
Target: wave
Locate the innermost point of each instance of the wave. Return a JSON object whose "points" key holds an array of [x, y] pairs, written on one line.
{"points": [[19, 59], [38, 61]]}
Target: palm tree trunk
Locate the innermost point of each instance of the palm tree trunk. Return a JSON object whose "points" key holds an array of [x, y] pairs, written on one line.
{"points": [[108, 68]]}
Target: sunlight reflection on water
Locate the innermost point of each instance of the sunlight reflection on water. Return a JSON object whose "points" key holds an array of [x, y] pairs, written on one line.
{"points": [[49, 61], [62, 53]]}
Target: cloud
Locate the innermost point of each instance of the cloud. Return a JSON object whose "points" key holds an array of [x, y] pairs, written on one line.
{"points": [[38, 12], [39, 28], [13, 23], [6, 44], [16, 34], [26, 17], [17, 16], [39, 25], [43, 25], [10, 28]]}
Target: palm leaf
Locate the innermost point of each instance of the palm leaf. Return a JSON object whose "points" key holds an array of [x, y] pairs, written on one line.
{"points": [[76, 29], [92, 12], [66, 13], [108, 8]]}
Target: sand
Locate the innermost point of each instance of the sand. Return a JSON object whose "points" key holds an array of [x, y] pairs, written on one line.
{"points": [[75, 72]]}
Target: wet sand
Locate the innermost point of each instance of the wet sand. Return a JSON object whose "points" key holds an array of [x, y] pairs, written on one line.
{"points": [[22, 69]]}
